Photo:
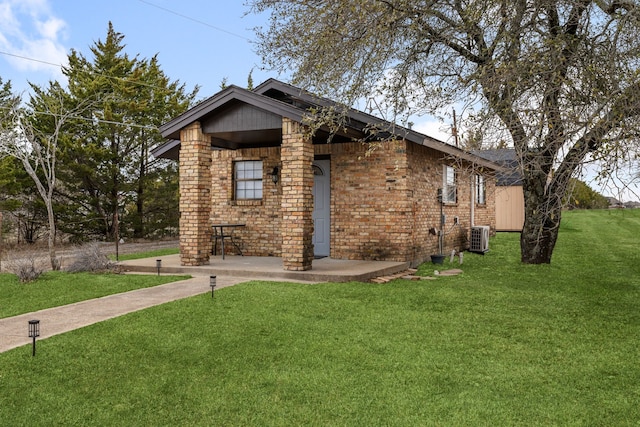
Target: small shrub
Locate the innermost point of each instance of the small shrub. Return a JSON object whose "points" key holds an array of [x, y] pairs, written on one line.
{"points": [[28, 266], [90, 258]]}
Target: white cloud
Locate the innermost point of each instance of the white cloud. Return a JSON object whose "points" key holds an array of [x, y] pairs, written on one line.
{"points": [[32, 36], [50, 27]]}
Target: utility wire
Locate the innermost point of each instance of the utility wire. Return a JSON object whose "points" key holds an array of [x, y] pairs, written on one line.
{"points": [[29, 59], [195, 20], [125, 80], [95, 120], [89, 119], [122, 78]]}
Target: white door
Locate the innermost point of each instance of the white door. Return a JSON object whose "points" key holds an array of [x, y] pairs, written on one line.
{"points": [[321, 208]]}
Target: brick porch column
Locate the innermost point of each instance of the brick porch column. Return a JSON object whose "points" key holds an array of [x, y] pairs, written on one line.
{"points": [[297, 197], [195, 196]]}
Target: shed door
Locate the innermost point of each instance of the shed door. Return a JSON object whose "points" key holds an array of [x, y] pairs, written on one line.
{"points": [[509, 208], [321, 208]]}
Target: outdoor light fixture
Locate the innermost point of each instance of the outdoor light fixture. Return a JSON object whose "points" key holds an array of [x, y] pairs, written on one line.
{"points": [[212, 283], [158, 265], [34, 331], [274, 175]]}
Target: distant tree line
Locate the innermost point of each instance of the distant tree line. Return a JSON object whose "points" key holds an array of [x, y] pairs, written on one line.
{"points": [[96, 133], [584, 197]]}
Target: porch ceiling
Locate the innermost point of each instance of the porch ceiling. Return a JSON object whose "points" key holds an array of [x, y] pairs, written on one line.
{"points": [[246, 139], [261, 138], [236, 119]]}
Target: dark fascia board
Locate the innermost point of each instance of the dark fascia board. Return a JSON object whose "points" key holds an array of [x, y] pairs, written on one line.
{"points": [[161, 150], [171, 129], [272, 83], [459, 153], [398, 131]]}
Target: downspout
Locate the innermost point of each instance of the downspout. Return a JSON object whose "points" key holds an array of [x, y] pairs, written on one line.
{"points": [[473, 202], [472, 212]]}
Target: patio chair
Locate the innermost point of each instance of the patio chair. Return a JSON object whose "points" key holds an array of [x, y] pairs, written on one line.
{"points": [[220, 234]]}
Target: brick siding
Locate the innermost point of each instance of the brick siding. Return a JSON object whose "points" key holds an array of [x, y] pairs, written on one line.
{"points": [[383, 202], [195, 196]]}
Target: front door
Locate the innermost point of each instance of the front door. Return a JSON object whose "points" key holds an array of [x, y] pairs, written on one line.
{"points": [[321, 208]]}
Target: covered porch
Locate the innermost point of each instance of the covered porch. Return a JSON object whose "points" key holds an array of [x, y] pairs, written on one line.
{"points": [[263, 127], [270, 268]]}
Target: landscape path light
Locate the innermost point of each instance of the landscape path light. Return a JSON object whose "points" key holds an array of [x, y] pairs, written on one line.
{"points": [[34, 332], [158, 265], [212, 283]]}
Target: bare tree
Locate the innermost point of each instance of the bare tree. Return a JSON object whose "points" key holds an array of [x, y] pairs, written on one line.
{"points": [[560, 77], [31, 135]]}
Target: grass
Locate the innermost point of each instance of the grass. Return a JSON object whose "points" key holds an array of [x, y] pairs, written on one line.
{"points": [[53, 289], [501, 344], [147, 254]]}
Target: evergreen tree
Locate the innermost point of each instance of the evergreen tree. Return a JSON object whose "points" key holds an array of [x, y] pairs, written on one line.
{"points": [[109, 173], [24, 215]]}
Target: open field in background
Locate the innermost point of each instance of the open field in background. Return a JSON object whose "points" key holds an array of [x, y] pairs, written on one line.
{"points": [[501, 344]]}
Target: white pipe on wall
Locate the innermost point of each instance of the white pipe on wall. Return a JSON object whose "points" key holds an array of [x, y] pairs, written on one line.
{"points": [[472, 212]]}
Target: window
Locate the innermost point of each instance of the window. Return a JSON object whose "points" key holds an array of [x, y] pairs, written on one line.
{"points": [[248, 180], [480, 190], [449, 194]]}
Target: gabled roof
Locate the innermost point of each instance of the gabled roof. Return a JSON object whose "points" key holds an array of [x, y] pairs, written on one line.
{"points": [[272, 87], [223, 103], [207, 107], [239, 118], [505, 157]]}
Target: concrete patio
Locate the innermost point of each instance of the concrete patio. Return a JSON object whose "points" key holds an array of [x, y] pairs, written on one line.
{"points": [[270, 268]]}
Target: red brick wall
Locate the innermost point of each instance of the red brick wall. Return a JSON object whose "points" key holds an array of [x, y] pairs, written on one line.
{"points": [[195, 168], [426, 167], [262, 235], [371, 210], [382, 203]]}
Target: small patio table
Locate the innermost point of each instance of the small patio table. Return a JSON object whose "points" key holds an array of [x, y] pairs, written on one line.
{"points": [[219, 233]]}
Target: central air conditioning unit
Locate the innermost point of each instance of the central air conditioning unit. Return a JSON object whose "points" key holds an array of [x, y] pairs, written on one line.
{"points": [[479, 239]]}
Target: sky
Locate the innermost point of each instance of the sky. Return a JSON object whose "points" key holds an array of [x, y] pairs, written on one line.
{"points": [[198, 42]]}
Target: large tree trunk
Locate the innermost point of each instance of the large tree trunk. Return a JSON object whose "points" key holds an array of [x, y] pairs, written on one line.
{"points": [[138, 223], [543, 211], [55, 262]]}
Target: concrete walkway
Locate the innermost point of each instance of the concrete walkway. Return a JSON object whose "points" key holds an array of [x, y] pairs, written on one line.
{"points": [[232, 270], [58, 320]]}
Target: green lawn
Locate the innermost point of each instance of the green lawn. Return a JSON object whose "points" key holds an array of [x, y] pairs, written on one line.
{"points": [[148, 254], [502, 344], [57, 288]]}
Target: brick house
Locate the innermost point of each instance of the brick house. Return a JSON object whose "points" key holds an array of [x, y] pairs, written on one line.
{"points": [[247, 157]]}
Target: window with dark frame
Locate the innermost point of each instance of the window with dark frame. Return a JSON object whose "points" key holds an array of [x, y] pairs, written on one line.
{"points": [[449, 189], [248, 180]]}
